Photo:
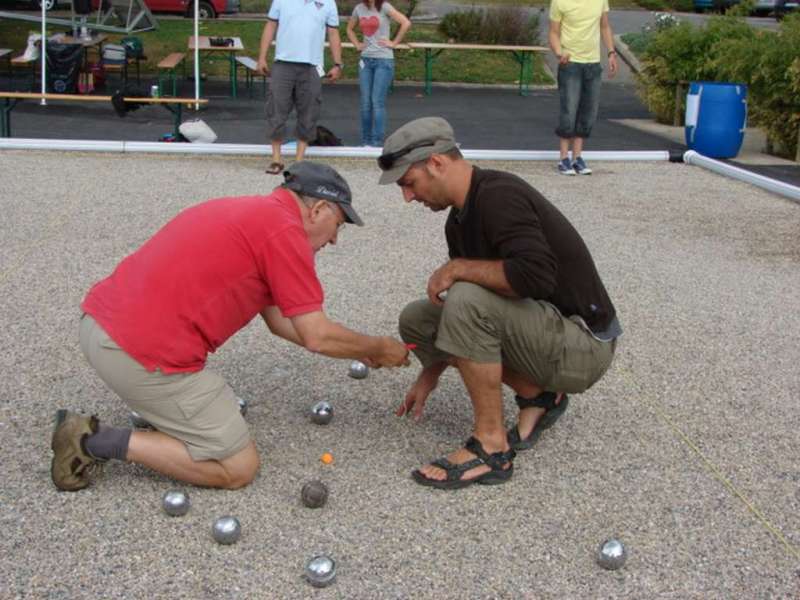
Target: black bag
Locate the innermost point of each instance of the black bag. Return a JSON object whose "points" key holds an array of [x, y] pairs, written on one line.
{"points": [[220, 42], [121, 107], [325, 137], [63, 65]]}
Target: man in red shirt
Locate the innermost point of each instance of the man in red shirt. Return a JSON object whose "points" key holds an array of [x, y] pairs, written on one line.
{"points": [[149, 326]]}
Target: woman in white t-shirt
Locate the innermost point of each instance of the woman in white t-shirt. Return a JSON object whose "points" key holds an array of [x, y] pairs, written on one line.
{"points": [[376, 65]]}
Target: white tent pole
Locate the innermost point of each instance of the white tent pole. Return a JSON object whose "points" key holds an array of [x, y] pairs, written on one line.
{"points": [[43, 50], [196, 53]]}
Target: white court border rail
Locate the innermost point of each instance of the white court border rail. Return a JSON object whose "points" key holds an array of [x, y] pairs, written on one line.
{"points": [[690, 157]]}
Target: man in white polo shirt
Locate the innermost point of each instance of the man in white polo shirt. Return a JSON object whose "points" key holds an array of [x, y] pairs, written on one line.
{"points": [[296, 73]]}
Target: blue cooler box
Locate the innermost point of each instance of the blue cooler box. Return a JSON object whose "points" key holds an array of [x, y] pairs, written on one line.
{"points": [[716, 117]]}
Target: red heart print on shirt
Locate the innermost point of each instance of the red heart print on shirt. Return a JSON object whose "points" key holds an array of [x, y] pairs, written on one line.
{"points": [[369, 25]]}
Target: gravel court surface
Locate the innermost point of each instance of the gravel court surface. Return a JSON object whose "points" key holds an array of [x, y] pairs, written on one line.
{"points": [[703, 271]]}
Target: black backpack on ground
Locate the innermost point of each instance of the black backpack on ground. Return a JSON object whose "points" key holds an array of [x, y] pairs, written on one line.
{"points": [[325, 137]]}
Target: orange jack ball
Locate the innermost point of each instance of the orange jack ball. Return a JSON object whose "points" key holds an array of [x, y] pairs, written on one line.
{"points": [[327, 458]]}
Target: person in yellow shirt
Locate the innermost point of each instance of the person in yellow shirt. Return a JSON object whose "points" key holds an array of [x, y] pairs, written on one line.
{"points": [[575, 30]]}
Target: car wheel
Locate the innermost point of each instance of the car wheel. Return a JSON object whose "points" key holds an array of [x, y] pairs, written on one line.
{"points": [[205, 10]]}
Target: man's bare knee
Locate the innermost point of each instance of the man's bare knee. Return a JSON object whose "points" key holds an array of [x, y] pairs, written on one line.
{"points": [[241, 468]]}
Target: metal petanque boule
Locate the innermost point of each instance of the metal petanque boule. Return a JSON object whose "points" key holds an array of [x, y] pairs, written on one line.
{"points": [[227, 530], [175, 503], [314, 494], [320, 571], [358, 370], [322, 412], [611, 554], [242, 405]]}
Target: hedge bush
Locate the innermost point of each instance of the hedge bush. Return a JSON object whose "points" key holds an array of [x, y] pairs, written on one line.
{"points": [[504, 25], [661, 5], [462, 25], [681, 53], [770, 64], [728, 49]]}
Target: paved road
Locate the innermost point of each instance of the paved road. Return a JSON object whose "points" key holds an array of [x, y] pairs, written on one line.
{"points": [[622, 20], [505, 120]]}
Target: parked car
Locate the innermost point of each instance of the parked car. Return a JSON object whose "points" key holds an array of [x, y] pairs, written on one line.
{"points": [[782, 7], [762, 7], [207, 9], [29, 4]]}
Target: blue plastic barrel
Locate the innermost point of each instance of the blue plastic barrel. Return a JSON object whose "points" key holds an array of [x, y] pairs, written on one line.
{"points": [[716, 117]]}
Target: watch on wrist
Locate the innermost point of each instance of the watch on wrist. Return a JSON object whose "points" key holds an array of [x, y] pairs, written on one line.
{"points": [[340, 65], [610, 52]]}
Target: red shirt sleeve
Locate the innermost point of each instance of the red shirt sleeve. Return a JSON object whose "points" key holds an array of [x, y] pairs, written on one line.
{"points": [[287, 265]]}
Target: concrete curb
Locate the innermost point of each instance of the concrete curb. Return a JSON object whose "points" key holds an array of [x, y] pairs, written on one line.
{"points": [[626, 54]]}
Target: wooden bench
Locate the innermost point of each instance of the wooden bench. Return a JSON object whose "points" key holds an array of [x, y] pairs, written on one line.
{"points": [[523, 55], [10, 100], [250, 72], [20, 62], [167, 67]]}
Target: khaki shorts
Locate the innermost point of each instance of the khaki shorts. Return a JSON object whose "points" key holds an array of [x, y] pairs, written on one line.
{"points": [[198, 408], [528, 336]]}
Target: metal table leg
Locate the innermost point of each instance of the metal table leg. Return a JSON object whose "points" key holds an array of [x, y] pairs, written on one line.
{"points": [[177, 112], [430, 56], [232, 71], [5, 116], [525, 61]]}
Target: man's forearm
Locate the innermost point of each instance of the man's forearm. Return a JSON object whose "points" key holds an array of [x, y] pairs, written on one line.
{"points": [[266, 39], [485, 273], [608, 38], [554, 37], [555, 44], [336, 45], [320, 335]]}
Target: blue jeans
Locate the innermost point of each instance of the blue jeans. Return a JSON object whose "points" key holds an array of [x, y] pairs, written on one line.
{"points": [[579, 93], [375, 77]]}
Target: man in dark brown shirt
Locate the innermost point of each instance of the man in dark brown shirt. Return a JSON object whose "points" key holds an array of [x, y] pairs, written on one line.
{"points": [[519, 302]]}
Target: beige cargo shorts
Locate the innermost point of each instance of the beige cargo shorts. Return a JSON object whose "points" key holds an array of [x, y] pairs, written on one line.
{"points": [[197, 408], [530, 337]]}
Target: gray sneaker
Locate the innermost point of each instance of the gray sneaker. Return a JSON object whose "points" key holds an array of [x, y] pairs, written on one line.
{"points": [[72, 465], [565, 167], [580, 166]]}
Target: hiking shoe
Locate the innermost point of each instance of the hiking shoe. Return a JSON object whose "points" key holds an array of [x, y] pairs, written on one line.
{"points": [[580, 167], [72, 464], [565, 167]]}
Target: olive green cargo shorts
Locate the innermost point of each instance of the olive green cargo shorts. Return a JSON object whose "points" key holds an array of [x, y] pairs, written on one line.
{"points": [[197, 408], [530, 337]]}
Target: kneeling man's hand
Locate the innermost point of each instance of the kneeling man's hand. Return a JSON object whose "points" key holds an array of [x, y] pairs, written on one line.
{"points": [[392, 354]]}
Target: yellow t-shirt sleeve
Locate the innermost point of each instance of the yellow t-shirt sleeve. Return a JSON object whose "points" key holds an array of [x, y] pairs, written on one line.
{"points": [[555, 11]]}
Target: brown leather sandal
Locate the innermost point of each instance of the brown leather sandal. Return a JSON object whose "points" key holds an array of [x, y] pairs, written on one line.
{"points": [[274, 168]]}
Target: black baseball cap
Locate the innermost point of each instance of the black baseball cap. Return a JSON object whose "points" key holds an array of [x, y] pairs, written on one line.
{"points": [[319, 180]]}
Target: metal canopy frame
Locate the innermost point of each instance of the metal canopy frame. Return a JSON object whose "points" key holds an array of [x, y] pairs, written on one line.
{"points": [[120, 16]]}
